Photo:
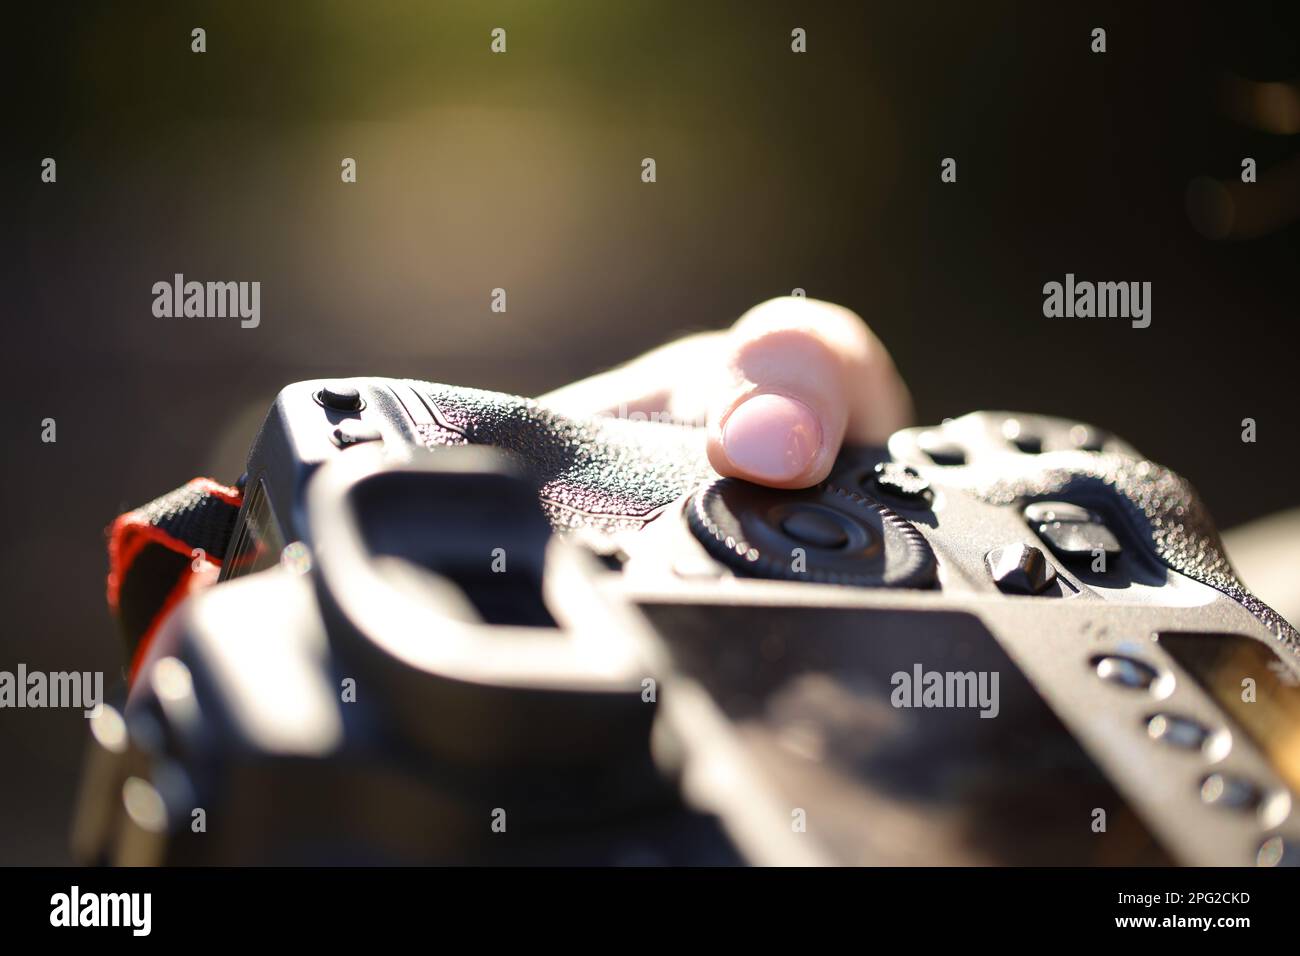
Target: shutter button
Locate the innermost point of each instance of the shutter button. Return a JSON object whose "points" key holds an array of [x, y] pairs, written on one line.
{"points": [[341, 398]]}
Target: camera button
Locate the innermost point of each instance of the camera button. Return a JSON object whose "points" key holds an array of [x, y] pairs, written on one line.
{"points": [[816, 527], [341, 398], [824, 535], [1086, 439], [902, 482], [1020, 569], [940, 450], [1041, 512], [1071, 540], [352, 432], [1072, 532], [1181, 732], [1027, 442], [1230, 792], [1275, 851], [1125, 671]]}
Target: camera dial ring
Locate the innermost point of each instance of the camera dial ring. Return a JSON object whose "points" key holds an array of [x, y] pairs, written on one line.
{"points": [[827, 534]]}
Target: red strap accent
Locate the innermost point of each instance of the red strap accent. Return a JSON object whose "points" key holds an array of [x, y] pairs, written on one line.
{"points": [[130, 533], [185, 585], [141, 591]]}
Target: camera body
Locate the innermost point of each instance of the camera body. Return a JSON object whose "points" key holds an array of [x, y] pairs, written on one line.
{"points": [[454, 626]]}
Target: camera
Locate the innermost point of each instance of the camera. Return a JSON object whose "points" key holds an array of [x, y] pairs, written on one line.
{"points": [[455, 626]]}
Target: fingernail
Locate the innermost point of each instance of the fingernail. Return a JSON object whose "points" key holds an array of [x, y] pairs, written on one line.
{"points": [[772, 437]]}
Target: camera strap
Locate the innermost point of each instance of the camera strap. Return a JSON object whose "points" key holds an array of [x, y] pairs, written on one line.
{"points": [[160, 552]]}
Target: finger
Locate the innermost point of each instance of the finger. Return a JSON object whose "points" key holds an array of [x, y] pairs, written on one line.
{"points": [[799, 377], [818, 374], [672, 380]]}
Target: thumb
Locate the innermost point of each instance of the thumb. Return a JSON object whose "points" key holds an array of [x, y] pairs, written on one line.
{"points": [[798, 377]]}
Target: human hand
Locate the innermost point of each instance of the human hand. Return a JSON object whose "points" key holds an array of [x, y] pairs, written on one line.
{"points": [[779, 392]]}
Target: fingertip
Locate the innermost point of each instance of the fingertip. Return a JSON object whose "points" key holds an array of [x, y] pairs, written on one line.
{"points": [[829, 354], [772, 439]]}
